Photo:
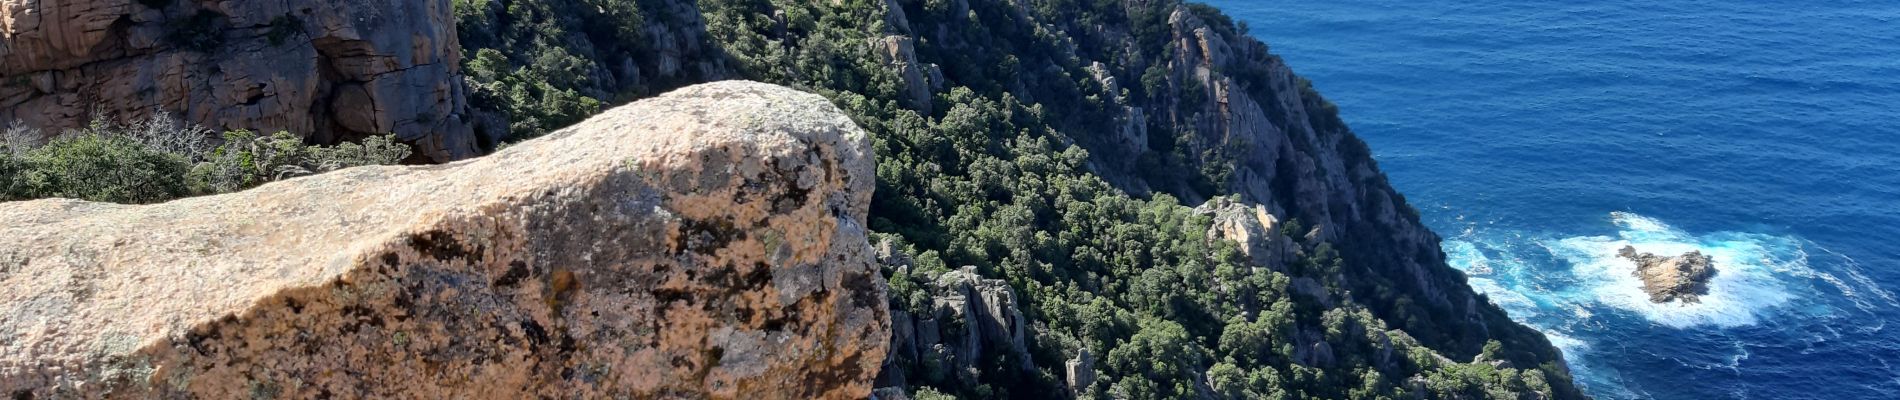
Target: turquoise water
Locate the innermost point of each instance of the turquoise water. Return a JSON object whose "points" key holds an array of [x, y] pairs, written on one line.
{"points": [[1538, 137]]}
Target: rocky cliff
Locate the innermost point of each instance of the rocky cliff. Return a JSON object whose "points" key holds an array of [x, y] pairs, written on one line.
{"points": [[1281, 146], [328, 70], [1118, 199], [710, 242], [1041, 166]]}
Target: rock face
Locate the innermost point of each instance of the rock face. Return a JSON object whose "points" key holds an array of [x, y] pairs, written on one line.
{"points": [[331, 70], [705, 243], [971, 317], [1685, 277], [983, 313]]}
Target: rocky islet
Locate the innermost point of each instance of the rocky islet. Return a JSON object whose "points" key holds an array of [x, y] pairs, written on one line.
{"points": [[1684, 277]]}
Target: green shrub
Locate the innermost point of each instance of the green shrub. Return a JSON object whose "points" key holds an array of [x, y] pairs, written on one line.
{"points": [[12, 178], [161, 158], [926, 393], [540, 63], [247, 159], [102, 168]]}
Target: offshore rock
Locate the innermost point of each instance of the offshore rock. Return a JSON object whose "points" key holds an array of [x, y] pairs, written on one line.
{"points": [[708, 243], [1685, 277], [330, 70]]}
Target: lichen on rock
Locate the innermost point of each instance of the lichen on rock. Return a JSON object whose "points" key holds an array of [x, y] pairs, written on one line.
{"points": [[705, 243]]}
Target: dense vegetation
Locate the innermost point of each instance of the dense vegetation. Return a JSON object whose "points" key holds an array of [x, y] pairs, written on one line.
{"points": [[995, 171], [160, 159], [1002, 165]]}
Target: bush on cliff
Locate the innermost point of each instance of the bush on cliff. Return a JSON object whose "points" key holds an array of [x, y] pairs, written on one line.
{"points": [[159, 158], [96, 167], [246, 159]]}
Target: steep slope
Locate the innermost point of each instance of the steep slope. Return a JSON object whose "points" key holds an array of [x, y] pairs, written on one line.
{"points": [[1286, 147], [326, 70], [1041, 164], [708, 243]]}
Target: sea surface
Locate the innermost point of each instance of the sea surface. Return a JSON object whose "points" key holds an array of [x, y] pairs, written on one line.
{"points": [[1538, 137]]}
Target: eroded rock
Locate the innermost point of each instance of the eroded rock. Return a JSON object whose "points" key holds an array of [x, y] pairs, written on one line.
{"points": [[1685, 277], [706, 243]]}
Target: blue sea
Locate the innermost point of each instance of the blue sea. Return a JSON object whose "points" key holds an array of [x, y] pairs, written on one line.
{"points": [[1539, 136]]}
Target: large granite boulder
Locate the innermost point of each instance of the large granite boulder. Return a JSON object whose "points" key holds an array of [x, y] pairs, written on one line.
{"points": [[706, 243], [331, 70], [1685, 277]]}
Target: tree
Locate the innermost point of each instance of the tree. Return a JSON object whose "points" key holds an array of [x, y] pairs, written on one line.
{"points": [[1159, 362]]}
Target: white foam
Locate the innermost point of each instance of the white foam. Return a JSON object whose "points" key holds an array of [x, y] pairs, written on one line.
{"points": [[1569, 345], [1747, 286], [1464, 256], [1483, 277], [1641, 226], [1852, 268], [1517, 304], [1759, 278]]}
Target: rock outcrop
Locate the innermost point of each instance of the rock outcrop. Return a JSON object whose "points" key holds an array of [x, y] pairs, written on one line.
{"points": [[330, 70], [1079, 372], [900, 53], [970, 318], [981, 315], [1253, 228], [1685, 277], [705, 243]]}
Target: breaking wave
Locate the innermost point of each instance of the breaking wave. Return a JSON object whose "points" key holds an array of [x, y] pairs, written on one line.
{"points": [[1576, 290], [1749, 284]]}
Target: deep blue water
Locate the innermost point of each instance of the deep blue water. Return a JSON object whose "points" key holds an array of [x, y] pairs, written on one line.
{"points": [[1539, 136]]}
